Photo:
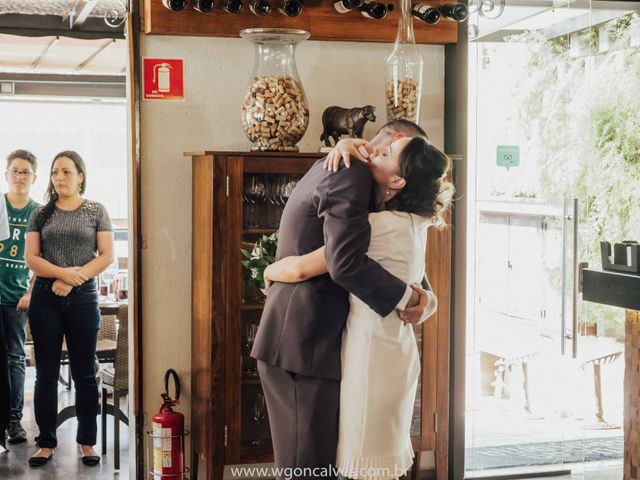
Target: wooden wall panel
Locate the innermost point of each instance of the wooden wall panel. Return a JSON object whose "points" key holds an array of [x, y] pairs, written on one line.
{"points": [[632, 396], [208, 313], [233, 275], [435, 346]]}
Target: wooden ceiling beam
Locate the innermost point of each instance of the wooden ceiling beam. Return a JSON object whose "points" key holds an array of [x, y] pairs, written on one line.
{"points": [[100, 49], [35, 64]]}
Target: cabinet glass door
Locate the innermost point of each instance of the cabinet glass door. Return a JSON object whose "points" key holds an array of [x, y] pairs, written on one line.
{"points": [[259, 190]]}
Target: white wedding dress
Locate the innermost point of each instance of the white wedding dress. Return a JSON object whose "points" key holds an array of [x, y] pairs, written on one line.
{"points": [[380, 362]]}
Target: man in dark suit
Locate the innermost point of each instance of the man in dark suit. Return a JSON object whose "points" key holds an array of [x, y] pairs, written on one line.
{"points": [[299, 339]]}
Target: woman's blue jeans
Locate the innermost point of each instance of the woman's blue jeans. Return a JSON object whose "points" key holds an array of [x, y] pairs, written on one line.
{"points": [[14, 324]]}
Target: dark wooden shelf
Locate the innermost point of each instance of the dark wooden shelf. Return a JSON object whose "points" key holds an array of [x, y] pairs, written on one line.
{"points": [[259, 231], [611, 288], [253, 306], [256, 454], [318, 17], [251, 381], [259, 154]]}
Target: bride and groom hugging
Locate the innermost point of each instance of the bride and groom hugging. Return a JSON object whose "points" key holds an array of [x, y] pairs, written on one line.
{"points": [[336, 350]]}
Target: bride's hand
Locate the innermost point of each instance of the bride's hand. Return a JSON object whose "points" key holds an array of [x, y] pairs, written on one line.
{"points": [[414, 314], [346, 148]]}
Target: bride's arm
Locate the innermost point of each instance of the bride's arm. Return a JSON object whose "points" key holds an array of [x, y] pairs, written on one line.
{"points": [[296, 269], [344, 150]]}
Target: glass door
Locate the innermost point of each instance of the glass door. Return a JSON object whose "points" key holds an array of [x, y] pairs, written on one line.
{"points": [[553, 153]]}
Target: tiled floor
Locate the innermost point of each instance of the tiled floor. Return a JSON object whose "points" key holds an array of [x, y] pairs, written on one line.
{"points": [[500, 435], [614, 473], [610, 470], [66, 464], [545, 453]]}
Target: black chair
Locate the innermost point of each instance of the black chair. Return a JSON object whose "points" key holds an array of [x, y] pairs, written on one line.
{"points": [[105, 347]]}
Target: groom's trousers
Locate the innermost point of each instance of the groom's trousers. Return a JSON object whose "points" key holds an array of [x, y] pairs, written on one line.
{"points": [[303, 416]]}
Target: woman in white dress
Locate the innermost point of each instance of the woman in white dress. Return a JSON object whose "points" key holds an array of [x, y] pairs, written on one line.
{"points": [[380, 360]]}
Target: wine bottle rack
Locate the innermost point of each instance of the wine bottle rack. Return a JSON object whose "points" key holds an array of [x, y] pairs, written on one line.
{"points": [[318, 17]]}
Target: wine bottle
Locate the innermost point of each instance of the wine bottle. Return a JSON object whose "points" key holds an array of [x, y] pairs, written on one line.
{"points": [[374, 9], [203, 5], [233, 6], [344, 6], [175, 5], [290, 8], [456, 12], [260, 8], [426, 13]]}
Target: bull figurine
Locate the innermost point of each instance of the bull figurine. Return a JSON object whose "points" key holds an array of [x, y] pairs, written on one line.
{"points": [[338, 121]]}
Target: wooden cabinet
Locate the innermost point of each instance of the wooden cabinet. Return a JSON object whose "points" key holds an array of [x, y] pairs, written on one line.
{"points": [[227, 413]]}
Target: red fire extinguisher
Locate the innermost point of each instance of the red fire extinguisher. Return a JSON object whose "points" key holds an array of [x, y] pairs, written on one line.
{"points": [[168, 435]]}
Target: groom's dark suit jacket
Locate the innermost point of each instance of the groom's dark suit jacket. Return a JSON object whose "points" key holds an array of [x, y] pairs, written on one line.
{"points": [[301, 326]]}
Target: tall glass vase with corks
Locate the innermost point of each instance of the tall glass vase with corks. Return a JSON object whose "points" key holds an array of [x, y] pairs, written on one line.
{"points": [[405, 67], [275, 112]]}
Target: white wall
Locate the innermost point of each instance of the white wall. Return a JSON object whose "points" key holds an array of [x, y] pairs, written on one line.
{"points": [[217, 71], [97, 130]]}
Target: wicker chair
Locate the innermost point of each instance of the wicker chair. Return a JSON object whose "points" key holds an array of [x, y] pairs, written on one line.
{"points": [[107, 338], [116, 381], [28, 348]]}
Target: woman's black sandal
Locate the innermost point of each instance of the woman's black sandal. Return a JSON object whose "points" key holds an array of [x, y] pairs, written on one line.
{"points": [[40, 461], [91, 460]]}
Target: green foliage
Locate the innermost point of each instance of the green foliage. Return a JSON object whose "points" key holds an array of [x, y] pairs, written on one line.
{"points": [[579, 117], [259, 258]]}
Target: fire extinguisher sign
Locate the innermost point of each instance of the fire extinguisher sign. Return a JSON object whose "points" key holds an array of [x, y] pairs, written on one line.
{"points": [[163, 78]]}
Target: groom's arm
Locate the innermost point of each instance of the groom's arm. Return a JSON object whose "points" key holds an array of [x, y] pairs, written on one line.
{"points": [[343, 200]]}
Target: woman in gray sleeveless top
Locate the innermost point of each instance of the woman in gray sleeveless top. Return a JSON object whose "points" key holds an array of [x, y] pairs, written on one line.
{"points": [[69, 242]]}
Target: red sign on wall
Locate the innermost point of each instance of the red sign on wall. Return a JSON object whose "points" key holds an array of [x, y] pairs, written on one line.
{"points": [[163, 78]]}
